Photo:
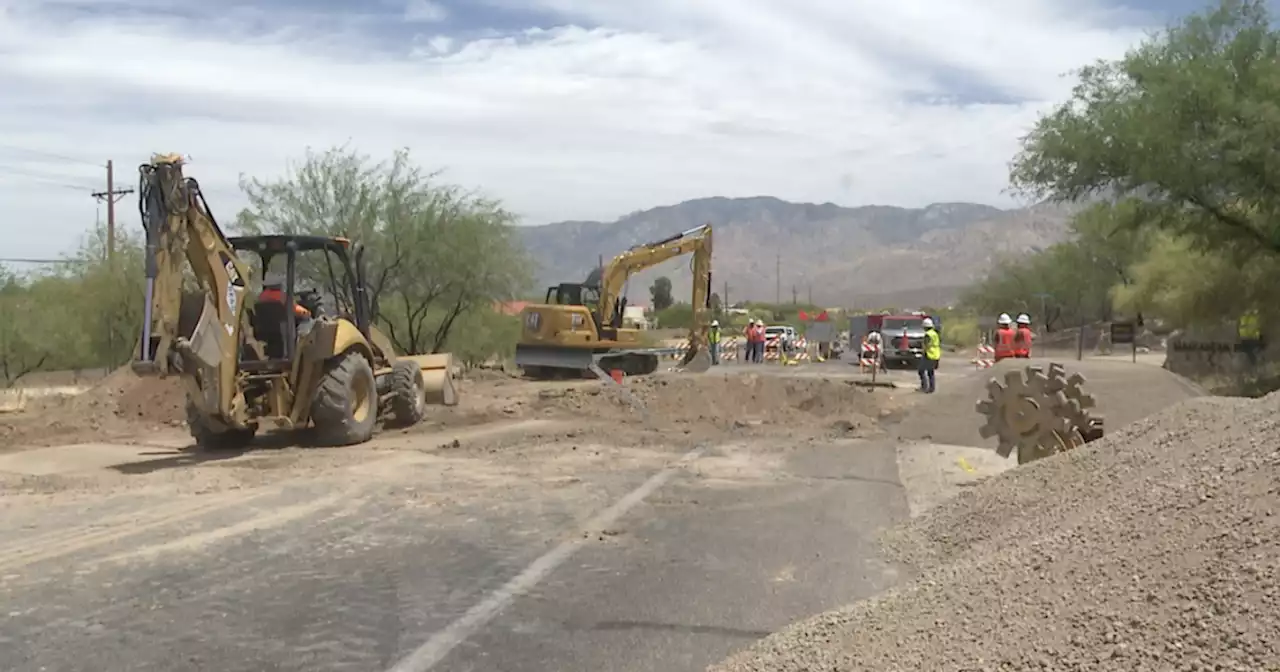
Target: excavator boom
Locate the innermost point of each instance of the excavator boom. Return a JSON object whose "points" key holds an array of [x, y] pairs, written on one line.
{"points": [[195, 334], [696, 241]]}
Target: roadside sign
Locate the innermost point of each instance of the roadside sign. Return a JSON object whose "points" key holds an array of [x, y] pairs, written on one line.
{"points": [[820, 332], [1125, 332]]}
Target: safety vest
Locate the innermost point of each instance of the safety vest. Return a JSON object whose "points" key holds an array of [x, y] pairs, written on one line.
{"points": [[1004, 343], [713, 336], [1250, 327], [1022, 342], [932, 345], [273, 295]]}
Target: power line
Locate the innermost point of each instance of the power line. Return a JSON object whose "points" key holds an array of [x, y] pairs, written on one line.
{"points": [[49, 155], [39, 178], [11, 260]]}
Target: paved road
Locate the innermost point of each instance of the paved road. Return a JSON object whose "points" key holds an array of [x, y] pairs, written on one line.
{"points": [[551, 557]]}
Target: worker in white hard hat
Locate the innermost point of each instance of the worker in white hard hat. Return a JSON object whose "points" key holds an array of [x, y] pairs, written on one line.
{"points": [[1004, 341], [759, 342], [713, 341], [928, 362], [1022, 337]]}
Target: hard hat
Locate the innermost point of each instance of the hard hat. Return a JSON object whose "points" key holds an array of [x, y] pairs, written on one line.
{"points": [[928, 323], [715, 323], [1024, 319], [1004, 319], [273, 280]]}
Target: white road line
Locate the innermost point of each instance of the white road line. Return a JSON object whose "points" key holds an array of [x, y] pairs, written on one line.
{"points": [[435, 649]]}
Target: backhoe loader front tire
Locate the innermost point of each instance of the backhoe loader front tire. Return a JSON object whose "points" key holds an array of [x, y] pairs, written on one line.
{"points": [[210, 438], [408, 394], [345, 409]]}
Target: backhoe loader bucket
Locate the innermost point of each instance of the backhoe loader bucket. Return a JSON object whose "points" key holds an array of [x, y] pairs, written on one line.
{"points": [[437, 376], [698, 362], [553, 357]]}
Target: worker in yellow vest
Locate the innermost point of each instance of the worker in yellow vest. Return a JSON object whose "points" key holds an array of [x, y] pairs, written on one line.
{"points": [[1249, 329], [713, 340], [932, 354]]}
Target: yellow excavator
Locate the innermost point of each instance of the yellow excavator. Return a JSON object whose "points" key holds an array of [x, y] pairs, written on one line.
{"points": [[280, 360], [580, 325]]}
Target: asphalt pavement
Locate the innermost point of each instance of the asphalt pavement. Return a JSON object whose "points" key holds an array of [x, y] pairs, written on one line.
{"points": [[662, 562]]}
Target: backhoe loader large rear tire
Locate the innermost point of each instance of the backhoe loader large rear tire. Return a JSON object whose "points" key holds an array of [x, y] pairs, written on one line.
{"points": [[408, 394], [345, 409], [210, 438]]}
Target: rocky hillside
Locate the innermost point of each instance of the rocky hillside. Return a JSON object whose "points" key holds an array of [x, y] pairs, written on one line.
{"points": [[870, 255]]}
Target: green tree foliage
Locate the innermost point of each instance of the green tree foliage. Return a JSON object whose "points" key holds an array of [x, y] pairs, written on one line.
{"points": [[675, 316], [85, 313], [660, 293], [1187, 285], [484, 335], [1186, 122], [434, 252], [23, 349], [1069, 282], [110, 294]]}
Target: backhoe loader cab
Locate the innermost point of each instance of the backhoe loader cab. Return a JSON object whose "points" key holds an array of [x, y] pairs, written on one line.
{"points": [[280, 358]]}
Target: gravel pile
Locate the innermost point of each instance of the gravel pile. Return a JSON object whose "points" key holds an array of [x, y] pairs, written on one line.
{"points": [[1157, 548]]}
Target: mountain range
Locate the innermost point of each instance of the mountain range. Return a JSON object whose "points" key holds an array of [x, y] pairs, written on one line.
{"points": [[765, 248]]}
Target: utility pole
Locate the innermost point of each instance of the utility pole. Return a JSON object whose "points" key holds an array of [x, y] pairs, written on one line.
{"points": [[724, 299], [111, 196], [795, 295], [811, 294], [777, 281]]}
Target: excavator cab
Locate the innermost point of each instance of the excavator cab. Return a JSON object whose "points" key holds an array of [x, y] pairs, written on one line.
{"points": [[278, 359]]}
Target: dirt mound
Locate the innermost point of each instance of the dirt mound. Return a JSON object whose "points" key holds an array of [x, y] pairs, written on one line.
{"points": [[1125, 392], [121, 403], [1157, 547], [723, 401]]}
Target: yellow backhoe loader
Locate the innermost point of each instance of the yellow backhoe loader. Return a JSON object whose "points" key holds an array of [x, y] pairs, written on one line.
{"points": [[281, 360], [581, 325]]}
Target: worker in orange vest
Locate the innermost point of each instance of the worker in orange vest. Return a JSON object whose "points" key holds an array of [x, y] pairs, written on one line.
{"points": [[753, 334], [1022, 339], [1005, 335], [272, 292]]}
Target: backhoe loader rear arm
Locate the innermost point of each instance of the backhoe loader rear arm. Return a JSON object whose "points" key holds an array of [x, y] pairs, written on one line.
{"points": [[641, 257], [194, 338]]}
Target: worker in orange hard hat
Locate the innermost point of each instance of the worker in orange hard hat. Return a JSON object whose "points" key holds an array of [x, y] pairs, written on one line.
{"points": [[1005, 336]]}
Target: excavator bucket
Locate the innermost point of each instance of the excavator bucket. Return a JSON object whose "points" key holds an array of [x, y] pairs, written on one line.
{"points": [[553, 357], [437, 375]]}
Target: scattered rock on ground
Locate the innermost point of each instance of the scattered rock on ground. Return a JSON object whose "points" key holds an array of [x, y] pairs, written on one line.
{"points": [[1156, 548]]}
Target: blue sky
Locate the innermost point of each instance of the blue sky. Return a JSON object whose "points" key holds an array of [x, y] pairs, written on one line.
{"points": [[564, 109]]}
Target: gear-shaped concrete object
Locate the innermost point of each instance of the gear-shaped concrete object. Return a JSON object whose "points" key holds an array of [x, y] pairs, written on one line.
{"points": [[1039, 413]]}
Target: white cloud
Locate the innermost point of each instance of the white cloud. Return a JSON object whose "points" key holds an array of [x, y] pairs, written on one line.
{"points": [[670, 99], [425, 11]]}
